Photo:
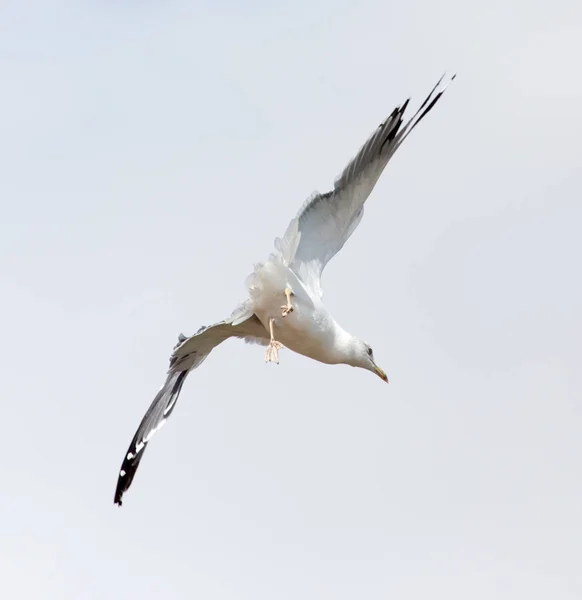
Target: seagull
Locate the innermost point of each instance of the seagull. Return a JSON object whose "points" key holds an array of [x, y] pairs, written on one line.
{"points": [[284, 307]]}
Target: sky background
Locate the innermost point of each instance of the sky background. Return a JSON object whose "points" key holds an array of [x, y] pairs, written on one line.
{"points": [[150, 153]]}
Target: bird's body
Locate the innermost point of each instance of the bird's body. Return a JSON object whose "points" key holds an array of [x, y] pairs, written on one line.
{"points": [[310, 329], [284, 308]]}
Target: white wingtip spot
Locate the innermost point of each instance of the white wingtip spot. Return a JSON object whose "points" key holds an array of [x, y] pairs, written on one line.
{"points": [[122, 473]]}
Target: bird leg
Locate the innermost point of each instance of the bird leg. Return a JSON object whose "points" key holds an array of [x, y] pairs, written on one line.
{"points": [[272, 352], [287, 308]]}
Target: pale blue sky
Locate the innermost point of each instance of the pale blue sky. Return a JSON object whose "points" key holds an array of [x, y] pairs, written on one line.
{"points": [[151, 154]]}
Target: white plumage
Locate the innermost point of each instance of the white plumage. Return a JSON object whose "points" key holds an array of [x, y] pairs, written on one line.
{"points": [[284, 307]]}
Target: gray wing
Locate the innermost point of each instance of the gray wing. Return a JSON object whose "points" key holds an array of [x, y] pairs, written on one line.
{"points": [[189, 353], [326, 221]]}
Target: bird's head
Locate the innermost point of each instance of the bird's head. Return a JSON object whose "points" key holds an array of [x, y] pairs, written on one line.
{"points": [[363, 357]]}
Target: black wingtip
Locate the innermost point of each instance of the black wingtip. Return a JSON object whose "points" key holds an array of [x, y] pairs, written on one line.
{"points": [[128, 469], [432, 98], [157, 414], [120, 489]]}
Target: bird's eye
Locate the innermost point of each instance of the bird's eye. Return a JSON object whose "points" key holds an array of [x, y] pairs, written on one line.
{"points": [[370, 352]]}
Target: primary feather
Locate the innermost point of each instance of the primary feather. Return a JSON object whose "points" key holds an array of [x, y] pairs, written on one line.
{"points": [[189, 353], [326, 221]]}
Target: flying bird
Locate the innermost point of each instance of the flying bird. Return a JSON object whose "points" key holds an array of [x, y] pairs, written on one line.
{"points": [[284, 307]]}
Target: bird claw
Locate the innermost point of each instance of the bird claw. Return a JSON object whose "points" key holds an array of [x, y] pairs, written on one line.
{"points": [[286, 309], [272, 352]]}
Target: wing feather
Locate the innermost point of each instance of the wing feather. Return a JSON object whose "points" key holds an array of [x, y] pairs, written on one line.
{"points": [[326, 221], [188, 354]]}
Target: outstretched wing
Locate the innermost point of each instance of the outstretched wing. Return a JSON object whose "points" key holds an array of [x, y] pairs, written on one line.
{"points": [[189, 353], [326, 221]]}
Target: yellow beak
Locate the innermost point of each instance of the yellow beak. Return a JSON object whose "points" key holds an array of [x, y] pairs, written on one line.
{"points": [[380, 373]]}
